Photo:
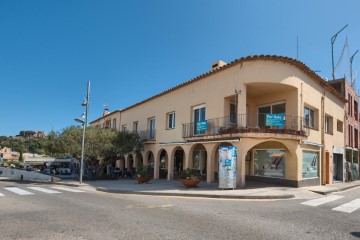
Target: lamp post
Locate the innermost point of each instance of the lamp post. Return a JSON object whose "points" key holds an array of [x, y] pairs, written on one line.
{"points": [[85, 103], [333, 38]]}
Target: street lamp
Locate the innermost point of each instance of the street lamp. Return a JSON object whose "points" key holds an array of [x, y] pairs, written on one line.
{"points": [[333, 38], [85, 103]]}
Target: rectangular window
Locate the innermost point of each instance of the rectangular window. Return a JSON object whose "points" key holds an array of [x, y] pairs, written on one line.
{"points": [[328, 124], [356, 114], [135, 127], [339, 126], [171, 120], [114, 123], [310, 164], [269, 163], [124, 128], [274, 108], [151, 122], [309, 116], [356, 138]]}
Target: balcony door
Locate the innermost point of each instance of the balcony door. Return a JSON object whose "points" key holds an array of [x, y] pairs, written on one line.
{"points": [[274, 108], [199, 116], [152, 128]]}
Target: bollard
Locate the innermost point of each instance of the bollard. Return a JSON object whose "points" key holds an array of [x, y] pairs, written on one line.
{"points": [[52, 179], [21, 177]]}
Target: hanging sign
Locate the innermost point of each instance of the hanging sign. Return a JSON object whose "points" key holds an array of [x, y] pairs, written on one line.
{"points": [[227, 167], [201, 126], [275, 120]]}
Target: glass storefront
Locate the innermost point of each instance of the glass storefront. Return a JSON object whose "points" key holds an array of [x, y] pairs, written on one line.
{"points": [[269, 163], [199, 161], [310, 164]]}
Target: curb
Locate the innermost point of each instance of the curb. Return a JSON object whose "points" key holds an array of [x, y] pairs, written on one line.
{"points": [[334, 190], [196, 195]]}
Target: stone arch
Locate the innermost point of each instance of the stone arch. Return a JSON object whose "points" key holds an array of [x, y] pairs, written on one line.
{"points": [[246, 165], [150, 161], [163, 160], [130, 161], [198, 158], [177, 162], [138, 160]]}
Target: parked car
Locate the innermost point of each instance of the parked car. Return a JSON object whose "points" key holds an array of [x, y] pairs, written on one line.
{"points": [[63, 171], [47, 171]]}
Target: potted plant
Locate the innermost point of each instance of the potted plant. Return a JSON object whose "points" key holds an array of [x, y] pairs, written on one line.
{"points": [[190, 177], [142, 174]]}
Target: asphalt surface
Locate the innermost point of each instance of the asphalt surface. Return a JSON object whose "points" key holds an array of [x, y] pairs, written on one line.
{"points": [[97, 215]]}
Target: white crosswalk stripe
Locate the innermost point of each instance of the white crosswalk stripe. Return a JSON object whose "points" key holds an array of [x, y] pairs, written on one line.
{"points": [[1, 195], [18, 191], [320, 201], [44, 190], [349, 207], [68, 189]]}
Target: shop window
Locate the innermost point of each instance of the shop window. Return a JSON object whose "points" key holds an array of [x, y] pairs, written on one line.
{"points": [[199, 161], [269, 163], [328, 124], [310, 161]]}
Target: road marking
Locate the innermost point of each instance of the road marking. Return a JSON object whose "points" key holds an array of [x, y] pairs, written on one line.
{"points": [[18, 191], [319, 201], [148, 206], [1, 195], [44, 190], [68, 189], [348, 207]]}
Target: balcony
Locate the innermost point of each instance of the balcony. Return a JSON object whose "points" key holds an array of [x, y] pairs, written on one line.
{"points": [[148, 135], [243, 125]]}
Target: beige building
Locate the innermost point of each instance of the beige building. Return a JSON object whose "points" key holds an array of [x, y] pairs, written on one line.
{"points": [[286, 123]]}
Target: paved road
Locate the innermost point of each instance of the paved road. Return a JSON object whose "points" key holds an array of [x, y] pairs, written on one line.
{"points": [[50, 212]]}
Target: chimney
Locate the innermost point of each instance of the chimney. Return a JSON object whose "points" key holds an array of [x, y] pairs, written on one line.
{"points": [[217, 64]]}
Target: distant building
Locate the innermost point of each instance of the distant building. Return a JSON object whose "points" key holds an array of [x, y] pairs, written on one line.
{"points": [[8, 154], [352, 124]]}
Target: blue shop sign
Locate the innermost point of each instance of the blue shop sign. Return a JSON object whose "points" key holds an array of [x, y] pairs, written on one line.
{"points": [[201, 126], [275, 120]]}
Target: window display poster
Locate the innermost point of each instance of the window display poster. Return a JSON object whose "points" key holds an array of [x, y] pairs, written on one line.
{"points": [[227, 167], [310, 164], [269, 163]]}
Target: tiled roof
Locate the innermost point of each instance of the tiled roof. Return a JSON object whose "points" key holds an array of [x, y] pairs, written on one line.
{"points": [[310, 73], [107, 115]]}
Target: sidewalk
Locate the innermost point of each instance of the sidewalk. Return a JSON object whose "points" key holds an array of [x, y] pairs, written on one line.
{"points": [[253, 190]]}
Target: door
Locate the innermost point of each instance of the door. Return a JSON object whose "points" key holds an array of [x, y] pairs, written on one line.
{"points": [[327, 168]]}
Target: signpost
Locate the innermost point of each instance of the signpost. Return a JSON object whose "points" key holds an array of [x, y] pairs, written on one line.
{"points": [[227, 167]]}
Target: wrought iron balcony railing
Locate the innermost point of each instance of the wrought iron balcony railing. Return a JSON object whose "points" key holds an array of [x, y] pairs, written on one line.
{"points": [[148, 135], [247, 123]]}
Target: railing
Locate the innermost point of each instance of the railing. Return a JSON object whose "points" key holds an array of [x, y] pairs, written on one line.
{"points": [[148, 135], [246, 123]]}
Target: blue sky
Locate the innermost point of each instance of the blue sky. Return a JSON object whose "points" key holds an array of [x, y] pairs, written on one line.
{"points": [[131, 50]]}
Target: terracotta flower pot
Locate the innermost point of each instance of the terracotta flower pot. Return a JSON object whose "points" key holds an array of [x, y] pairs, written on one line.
{"points": [[189, 183], [142, 180]]}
